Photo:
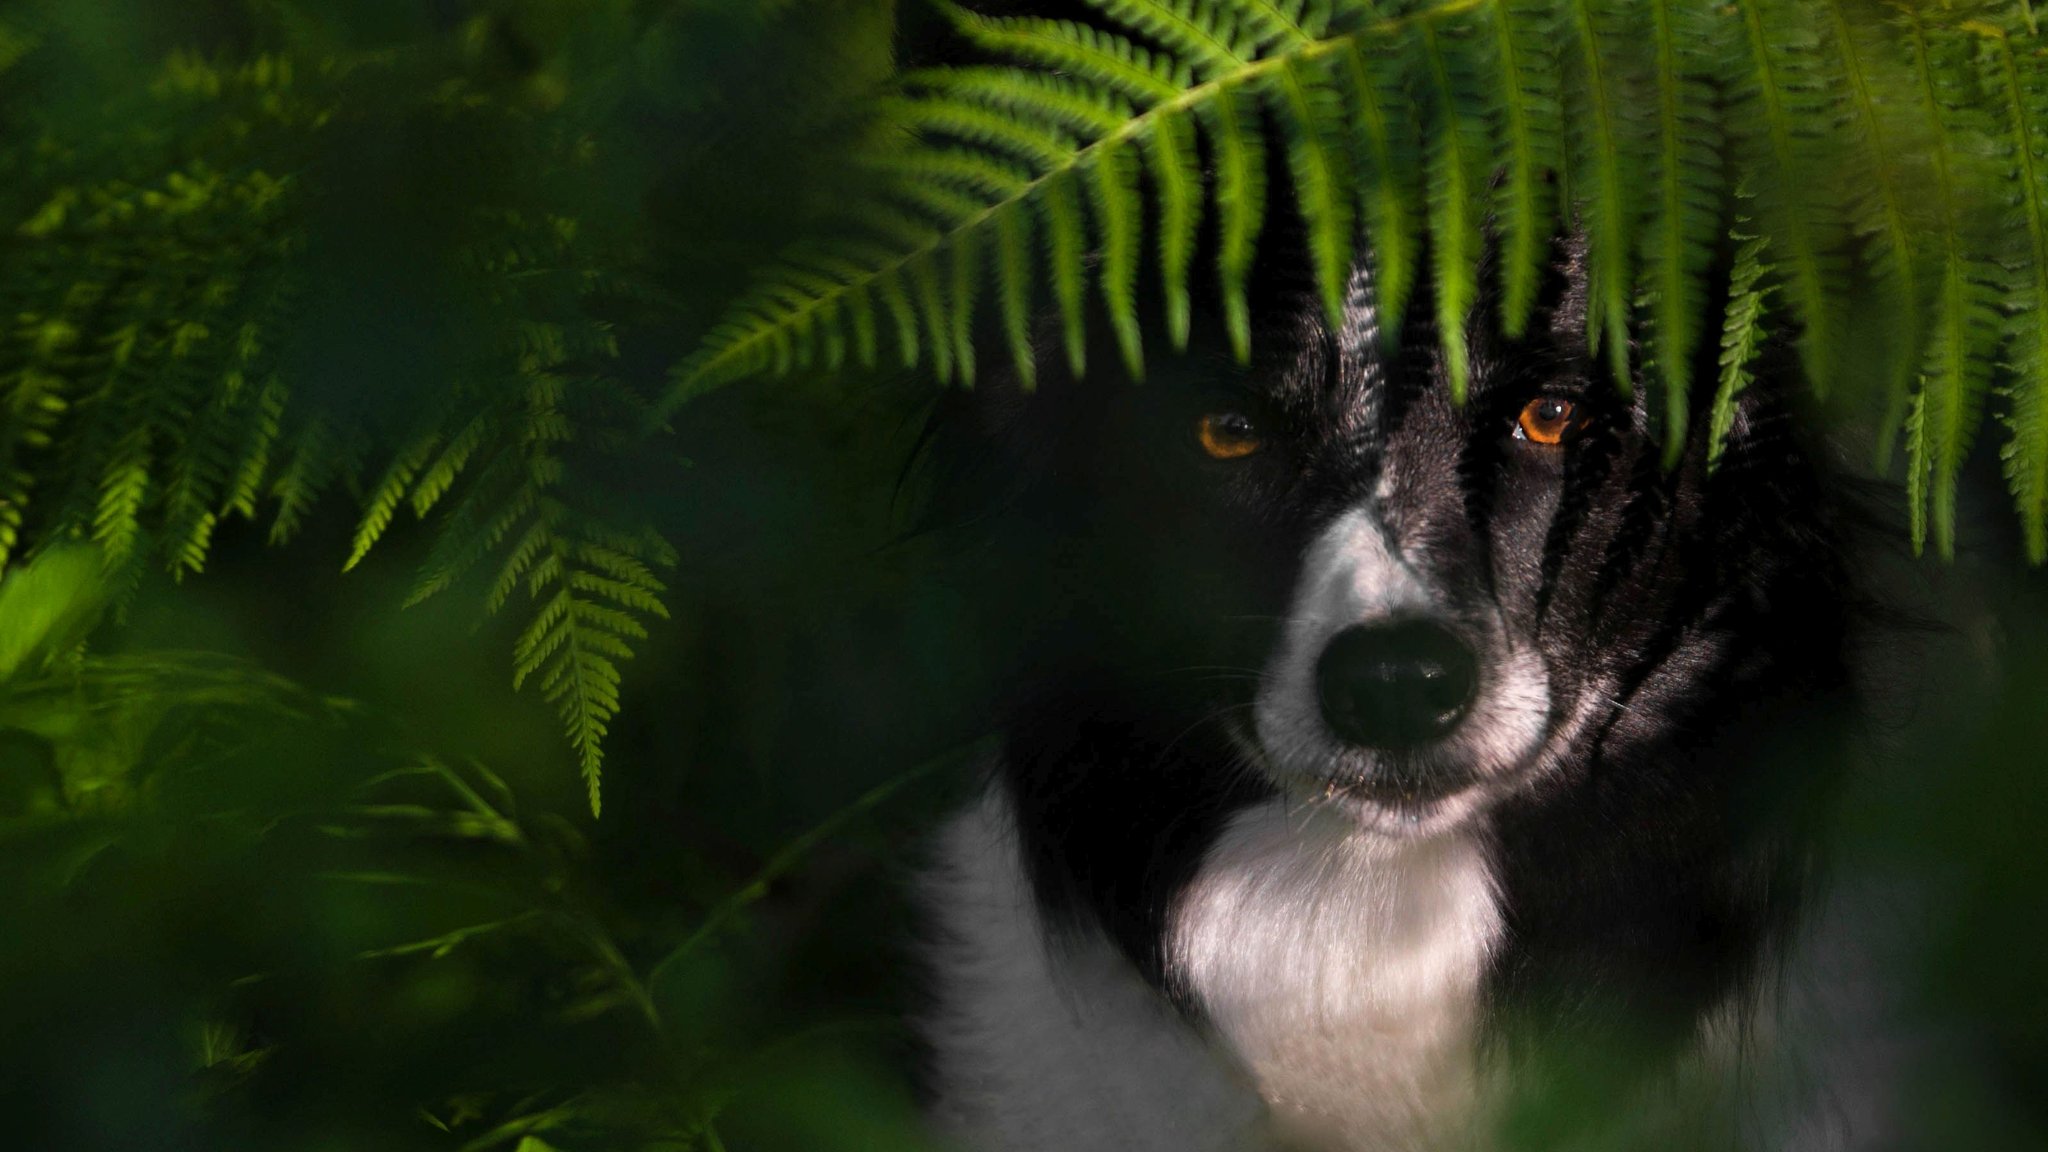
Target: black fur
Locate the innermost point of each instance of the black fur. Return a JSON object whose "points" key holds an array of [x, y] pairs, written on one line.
{"points": [[1138, 588]]}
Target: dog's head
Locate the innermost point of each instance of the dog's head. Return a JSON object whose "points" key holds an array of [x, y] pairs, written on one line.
{"points": [[1362, 593]]}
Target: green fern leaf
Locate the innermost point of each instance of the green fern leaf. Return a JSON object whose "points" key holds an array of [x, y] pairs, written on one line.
{"points": [[1608, 202], [960, 307], [1919, 466], [1240, 207], [1965, 332], [1685, 213], [388, 494], [1115, 188], [124, 486], [1178, 180], [1785, 106], [1000, 128], [1880, 213], [1053, 102], [1385, 150], [860, 310], [1013, 292], [1077, 50], [1525, 32], [1284, 25], [260, 435], [889, 286], [1311, 110], [1193, 31], [1457, 169], [1064, 245], [2024, 92], [1742, 336], [315, 458], [931, 306], [438, 477]]}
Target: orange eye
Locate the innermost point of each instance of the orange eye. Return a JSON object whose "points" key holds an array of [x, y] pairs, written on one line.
{"points": [[1227, 436], [1546, 420]]}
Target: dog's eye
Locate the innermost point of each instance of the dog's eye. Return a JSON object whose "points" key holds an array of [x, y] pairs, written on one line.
{"points": [[1546, 420], [1228, 435]]}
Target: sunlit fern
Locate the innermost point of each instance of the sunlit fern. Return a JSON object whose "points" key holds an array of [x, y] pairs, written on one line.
{"points": [[143, 400], [1895, 153]]}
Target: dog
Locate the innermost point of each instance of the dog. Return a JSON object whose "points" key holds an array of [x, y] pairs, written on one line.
{"points": [[1379, 771]]}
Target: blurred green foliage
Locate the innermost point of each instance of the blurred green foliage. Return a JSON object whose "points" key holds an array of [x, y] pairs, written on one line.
{"points": [[258, 253], [385, 282]]}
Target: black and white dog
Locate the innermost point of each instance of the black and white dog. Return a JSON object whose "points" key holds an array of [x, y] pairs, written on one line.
{"points": [[1380, 768]]}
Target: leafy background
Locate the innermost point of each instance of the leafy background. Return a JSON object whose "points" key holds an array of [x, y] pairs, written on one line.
{"points": [[357, 554]]}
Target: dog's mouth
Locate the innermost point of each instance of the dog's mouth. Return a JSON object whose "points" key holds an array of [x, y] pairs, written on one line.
{"points": [[1415, 795]]}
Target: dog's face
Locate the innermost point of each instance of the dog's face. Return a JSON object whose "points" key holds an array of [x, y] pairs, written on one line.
{"points": [[1373, 597], [1447, 630]]}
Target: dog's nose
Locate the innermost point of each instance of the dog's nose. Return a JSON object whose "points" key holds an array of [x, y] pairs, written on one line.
{"points": [[1396, 685]]}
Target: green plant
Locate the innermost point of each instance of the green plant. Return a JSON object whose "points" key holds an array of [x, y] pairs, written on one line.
{"points": [[1889, 155], [314, 253], [304, 253], [222, 879]]}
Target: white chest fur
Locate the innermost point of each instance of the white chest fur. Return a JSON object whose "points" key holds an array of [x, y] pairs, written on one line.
{"points": [[1343, 970]]}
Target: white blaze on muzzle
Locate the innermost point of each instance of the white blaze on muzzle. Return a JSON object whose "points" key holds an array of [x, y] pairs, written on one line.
{"points": [[1351, 576], [1354, 579]]}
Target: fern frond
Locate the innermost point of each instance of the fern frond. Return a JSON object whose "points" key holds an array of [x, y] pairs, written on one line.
{"points": [[998, 127], [965, 275], [1879, 206], [1788, 115], [436, 478], [1964, 335], [389, 492], [1386, 152], [591, 596], [1213, 60], [1456, 174], [1310, 109], [1013, 292], [1199, 32], [1064, 244], [1685, 213], [2024, 93], [1525, 33], [1177, 178], [1052, 102], [1240, 207], [1607, 191], [315, 458], [931, 311], [124, 486], [1742, 336], [1117, 207], [1077, 50], [265, 423], [1919, 465]]}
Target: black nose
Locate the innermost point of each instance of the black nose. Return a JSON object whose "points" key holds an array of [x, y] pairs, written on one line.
{"points": [[1396, 685]]}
